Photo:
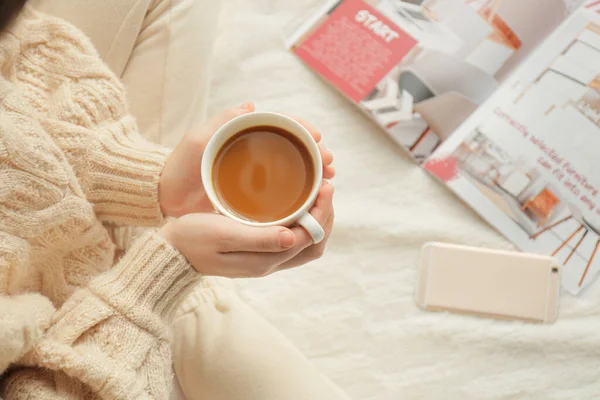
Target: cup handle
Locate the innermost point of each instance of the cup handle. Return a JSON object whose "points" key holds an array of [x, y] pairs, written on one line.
{"points": [[311, 225]]}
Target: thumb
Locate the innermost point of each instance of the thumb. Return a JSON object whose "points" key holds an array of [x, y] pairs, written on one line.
{"points": [[225, 116], [243, 238]]}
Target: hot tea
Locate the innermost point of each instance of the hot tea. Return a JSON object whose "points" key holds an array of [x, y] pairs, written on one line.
{"points": [[263, 174]]}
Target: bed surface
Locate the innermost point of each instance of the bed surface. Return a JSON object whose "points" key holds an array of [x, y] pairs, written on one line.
{"points": [[352, 312]]}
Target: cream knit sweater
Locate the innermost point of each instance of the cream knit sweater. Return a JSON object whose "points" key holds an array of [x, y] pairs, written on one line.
{"points": [[72, 325]]}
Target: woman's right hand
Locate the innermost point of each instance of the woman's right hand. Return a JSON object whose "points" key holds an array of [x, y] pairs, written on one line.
{"points": [[219, 246]]}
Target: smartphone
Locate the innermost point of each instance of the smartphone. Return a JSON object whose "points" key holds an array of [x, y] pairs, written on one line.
{"points": [[489, 283]]}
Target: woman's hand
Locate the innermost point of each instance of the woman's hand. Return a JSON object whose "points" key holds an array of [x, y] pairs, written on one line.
{"points": [[219, 246], [180, 187]]}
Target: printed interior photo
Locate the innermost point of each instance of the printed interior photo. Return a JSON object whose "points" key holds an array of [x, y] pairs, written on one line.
{"points": [[571, 83], [465, 49], [518, 189]]}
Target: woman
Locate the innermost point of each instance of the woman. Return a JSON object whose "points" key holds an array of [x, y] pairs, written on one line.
{"points": [[72, 324]]}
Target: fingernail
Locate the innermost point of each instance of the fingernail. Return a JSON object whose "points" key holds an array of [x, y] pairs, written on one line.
{"points": [[286, 239], [248, 105]]}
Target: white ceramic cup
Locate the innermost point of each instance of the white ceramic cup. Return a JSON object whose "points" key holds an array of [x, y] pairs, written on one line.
{"points": [[301, 216]]}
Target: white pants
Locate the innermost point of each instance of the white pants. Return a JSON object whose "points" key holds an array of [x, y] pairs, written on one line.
{"points": [[224, 350], [161, 49]]}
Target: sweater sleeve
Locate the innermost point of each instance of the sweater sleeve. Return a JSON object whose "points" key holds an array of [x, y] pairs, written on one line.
{"points": [[23, 319], [86, 112], [118, 169], [119, 172], [110, 334]]}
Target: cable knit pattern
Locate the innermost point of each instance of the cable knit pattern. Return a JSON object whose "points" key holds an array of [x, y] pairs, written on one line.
{"points": [[72, 325], [83, 107]]}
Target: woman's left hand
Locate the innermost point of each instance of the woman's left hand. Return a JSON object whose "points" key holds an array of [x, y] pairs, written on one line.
{"points": [[180, 188], [324, 214]]}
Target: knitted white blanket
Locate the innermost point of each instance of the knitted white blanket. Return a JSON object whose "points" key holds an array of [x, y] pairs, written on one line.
{"points": [[352, 313]]}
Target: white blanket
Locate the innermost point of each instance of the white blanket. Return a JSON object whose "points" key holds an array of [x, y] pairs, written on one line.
{"points": [[352, 313]]}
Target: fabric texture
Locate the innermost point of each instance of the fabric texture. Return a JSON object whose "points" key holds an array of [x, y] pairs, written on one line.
{"points": [[162, 51], [224, 350], [353, 313], [70, 160]]}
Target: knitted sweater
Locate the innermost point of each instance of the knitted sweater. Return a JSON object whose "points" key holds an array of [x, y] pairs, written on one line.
{"points": [[72, 324]]}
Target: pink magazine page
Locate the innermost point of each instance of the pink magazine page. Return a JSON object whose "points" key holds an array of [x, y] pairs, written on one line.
{"points": [[527, 159], [353, 47]]}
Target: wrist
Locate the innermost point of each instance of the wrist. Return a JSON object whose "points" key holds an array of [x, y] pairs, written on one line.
{"points": [[152, 276], [167, 232], [173, 232]]}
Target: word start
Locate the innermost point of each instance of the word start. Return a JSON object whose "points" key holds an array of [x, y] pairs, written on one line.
{"points": [[375, 25]]}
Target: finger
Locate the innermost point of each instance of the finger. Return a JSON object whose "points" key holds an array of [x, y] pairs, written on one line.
{"points": [[325, 155], [304, 240], [324, 204], [253, 264], [328, 228], [314, 132], [262, 264], [321, 212], [236, 237], [329, 172], [311, 252], [225, 116]]}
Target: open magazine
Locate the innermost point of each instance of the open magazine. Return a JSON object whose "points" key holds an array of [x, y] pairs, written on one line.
{"points": [[500, 99]]}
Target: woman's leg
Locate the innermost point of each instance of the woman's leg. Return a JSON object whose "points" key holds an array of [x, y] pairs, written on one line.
{"points": [[167, 75], [112, 25], [223, 350], [161, 49]]}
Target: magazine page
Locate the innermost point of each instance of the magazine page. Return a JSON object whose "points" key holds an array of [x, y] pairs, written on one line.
{"points": [[419, 68], [527, 160]]}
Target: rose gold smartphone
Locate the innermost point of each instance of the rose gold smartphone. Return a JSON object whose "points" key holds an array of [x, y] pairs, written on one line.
{"points": [[489, 283]]}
